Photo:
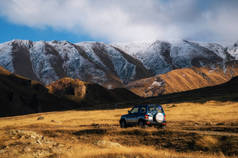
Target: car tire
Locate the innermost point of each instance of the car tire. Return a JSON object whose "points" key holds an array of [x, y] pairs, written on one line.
{"points": [[141, 124], [159, 117], [123, 124], [160, 127]]}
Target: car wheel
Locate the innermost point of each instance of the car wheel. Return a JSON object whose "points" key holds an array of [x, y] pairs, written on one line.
{"points": [[123, 124], [141, 124], [159, 117]]}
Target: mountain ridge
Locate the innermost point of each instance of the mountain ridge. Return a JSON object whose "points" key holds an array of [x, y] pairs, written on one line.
{"points": [[88, 61], [110, 65]]}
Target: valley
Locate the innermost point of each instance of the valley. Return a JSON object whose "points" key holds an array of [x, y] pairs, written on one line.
{"points": [[74, 95], [118, 79], [193, 129]]}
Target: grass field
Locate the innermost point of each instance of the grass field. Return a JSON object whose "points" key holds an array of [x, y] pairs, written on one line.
{"points": [[193, 130]]}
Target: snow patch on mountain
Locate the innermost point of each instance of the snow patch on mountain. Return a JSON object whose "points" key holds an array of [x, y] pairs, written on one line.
{"points": [[216, 48], [75, 65], [133, 47], [153, 59], [41, 63], [233, 50], [182, 49], [24, 43], [163, 56], [156, 84], [6, 56], [70, 56], [88, 49], [123, 68]]}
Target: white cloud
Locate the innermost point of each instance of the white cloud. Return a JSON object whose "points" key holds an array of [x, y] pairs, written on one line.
{"points": [[129, 20]]}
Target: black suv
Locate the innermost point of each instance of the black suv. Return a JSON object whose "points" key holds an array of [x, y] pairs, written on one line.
{"points": [[143, 115]]}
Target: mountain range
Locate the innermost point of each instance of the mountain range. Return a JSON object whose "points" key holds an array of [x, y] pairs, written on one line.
{"points": [[140, 66]]}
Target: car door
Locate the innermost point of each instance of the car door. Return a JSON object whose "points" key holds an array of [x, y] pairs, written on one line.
{"points": [[132, 117], [141, 113]]}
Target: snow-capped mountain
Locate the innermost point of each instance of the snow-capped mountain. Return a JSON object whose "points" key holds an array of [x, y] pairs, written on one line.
{"points": [[161, 56], [111, 65], [88, 61], [132, 48], [233, 50]]}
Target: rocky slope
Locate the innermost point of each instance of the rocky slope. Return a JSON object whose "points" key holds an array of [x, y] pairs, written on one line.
{"points": [[226, 92], [88, 61], [184, 79], [117, 65], [233, 50], [161, 56]]}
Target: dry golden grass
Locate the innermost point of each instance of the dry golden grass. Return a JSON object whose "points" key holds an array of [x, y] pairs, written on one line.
{"points": [[131, 152], [209, 112], [183, 80], [193, 78], [81, 133], [67, 118]]}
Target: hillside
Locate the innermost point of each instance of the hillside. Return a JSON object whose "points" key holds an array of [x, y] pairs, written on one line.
{"points": [[90, 94], [224, 92], [185, 79], [19, 96]]}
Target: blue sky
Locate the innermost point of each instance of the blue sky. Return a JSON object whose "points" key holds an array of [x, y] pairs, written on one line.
{"points": [[119, 20], [10, 31]]}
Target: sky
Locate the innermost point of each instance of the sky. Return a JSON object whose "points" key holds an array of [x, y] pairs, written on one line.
{"points": [[119, 20]]}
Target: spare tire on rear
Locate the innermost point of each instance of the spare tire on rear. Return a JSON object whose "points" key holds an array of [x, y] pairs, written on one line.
{"points": [[159, 117]]}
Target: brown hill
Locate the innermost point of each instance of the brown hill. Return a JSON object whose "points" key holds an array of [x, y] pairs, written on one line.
{"points": [[185, 79], [88, 93], [19, 95], [224, 92]]}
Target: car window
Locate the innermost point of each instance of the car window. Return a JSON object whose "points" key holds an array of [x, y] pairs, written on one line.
{"points": [[155, 108], [159, 109], [151, 108], [135, 110], [142, 110]]}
